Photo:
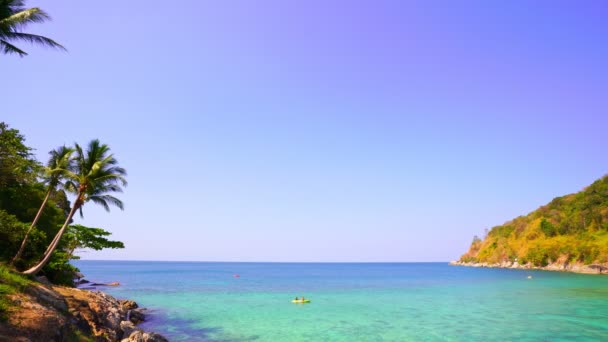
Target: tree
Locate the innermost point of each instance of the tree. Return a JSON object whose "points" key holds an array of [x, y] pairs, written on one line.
{"points": [[13, 18], [57, 167], [94, 175], [79, 236], [17, 164]]}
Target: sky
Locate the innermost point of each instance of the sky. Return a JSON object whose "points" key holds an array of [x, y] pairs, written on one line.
{"points": [[319, 131]]}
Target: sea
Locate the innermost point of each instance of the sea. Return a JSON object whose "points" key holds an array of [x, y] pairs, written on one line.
{"points": [[226, 301]]}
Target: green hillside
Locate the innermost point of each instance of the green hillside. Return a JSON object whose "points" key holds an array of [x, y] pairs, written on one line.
{"points": [[572, 228]]}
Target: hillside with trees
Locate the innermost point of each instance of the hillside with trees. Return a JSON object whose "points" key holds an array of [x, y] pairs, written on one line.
{"points": [[570, 229]]}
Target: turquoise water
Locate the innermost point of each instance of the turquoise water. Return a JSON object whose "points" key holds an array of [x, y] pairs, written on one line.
{"points": [[192, 301]]}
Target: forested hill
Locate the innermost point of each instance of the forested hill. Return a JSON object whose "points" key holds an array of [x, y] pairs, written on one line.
{"points": [[570, 229]]}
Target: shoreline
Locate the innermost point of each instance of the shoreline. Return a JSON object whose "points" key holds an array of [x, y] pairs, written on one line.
{"points": [[580, 268]]}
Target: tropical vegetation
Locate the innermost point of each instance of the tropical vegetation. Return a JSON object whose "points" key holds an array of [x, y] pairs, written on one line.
{"points": [[570, 229], [37, 233], [14, 17]]}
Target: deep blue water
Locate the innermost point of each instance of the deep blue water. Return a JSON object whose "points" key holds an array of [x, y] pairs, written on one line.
{"points": [[199, 301]]}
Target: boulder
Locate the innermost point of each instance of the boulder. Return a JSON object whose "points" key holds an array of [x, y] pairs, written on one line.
{"points": [[136, 316], [135, 336], [154, 337], [128, 304], [128, 328]]}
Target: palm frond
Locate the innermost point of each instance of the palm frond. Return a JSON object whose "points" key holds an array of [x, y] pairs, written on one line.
{"points": [[99, 200], [23, 17], [8, 48], [58, 165], [70, 186], [33, 39], [106, 200]]}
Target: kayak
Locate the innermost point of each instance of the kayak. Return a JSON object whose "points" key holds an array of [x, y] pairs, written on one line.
{"points": [[299, 301]]}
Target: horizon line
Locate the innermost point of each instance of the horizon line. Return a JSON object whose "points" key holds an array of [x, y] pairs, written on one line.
{"points": [[275, 262]]}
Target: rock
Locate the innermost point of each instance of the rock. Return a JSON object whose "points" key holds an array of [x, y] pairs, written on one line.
{"points": [[128, 304], [154, 337], [81, 281], [114, 283], [136, 336], [139, 336], [44, 280], [47, 296], [136, 316], [128, 328], [113, 320]]}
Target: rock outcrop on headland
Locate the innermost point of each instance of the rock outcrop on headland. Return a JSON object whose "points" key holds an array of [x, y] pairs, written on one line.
{"points": [[56, 313], [561, 267]]}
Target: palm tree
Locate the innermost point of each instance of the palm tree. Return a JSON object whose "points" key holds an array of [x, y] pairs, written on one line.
{"points": [[13, 18], [94, 175], [57, 167]]}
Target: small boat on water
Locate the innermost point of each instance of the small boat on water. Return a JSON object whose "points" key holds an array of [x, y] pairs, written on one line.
{"points": [[300, 301]]}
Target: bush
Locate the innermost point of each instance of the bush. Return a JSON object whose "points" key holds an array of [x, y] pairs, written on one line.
{"points": [[548, 228], [538, 256]]}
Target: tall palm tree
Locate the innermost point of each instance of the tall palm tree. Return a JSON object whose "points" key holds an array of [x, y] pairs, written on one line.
{"points": [[94, 175], [13, 18], [57, 167]]}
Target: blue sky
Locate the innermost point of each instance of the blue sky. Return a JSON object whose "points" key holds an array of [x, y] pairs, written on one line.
{"points": [[320, 131]]}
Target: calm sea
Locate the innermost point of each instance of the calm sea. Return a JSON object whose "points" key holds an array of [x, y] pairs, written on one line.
{"points": [[202, 301]]}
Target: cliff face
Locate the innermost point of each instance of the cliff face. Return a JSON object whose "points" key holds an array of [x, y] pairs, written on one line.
{"points": [[55, 313], [569, 233]]}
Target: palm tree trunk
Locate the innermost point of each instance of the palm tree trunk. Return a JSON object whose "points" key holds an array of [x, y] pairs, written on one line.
{"points": [[48, 248], [55, 242], [27, 234]]}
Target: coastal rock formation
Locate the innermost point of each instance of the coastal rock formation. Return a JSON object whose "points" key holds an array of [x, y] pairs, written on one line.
{"points": [[556, 266], [56, 313]]}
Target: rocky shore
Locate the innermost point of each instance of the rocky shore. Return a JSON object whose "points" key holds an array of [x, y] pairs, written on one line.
{"points": [[45, 312], [556, 266]]}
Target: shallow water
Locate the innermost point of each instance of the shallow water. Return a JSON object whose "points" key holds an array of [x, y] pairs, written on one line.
{"points": [[197, 301]]}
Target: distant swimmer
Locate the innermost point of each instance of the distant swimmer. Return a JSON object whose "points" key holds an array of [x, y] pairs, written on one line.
{"points": [[237, 276], [529, 277]]}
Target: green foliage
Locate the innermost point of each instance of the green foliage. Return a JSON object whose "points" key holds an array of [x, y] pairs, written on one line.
{"points": [[502, 231], [23, 187], [11, 231], [548, 228], [58, 270], [572, 228], [79, 236], [537, 256], [17, 164]]}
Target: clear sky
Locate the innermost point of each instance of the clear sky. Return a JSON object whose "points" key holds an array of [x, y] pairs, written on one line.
{"points": [[320, 130]]}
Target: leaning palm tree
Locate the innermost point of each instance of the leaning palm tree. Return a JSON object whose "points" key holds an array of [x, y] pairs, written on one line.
{"points": [[13, 18], [56, 169], [94, 175]]}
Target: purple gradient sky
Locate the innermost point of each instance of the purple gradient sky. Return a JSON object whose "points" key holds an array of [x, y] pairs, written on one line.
{"points": [[320, 130]]}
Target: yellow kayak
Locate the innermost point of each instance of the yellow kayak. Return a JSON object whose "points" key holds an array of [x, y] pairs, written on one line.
{"points": [[299, 301]]}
